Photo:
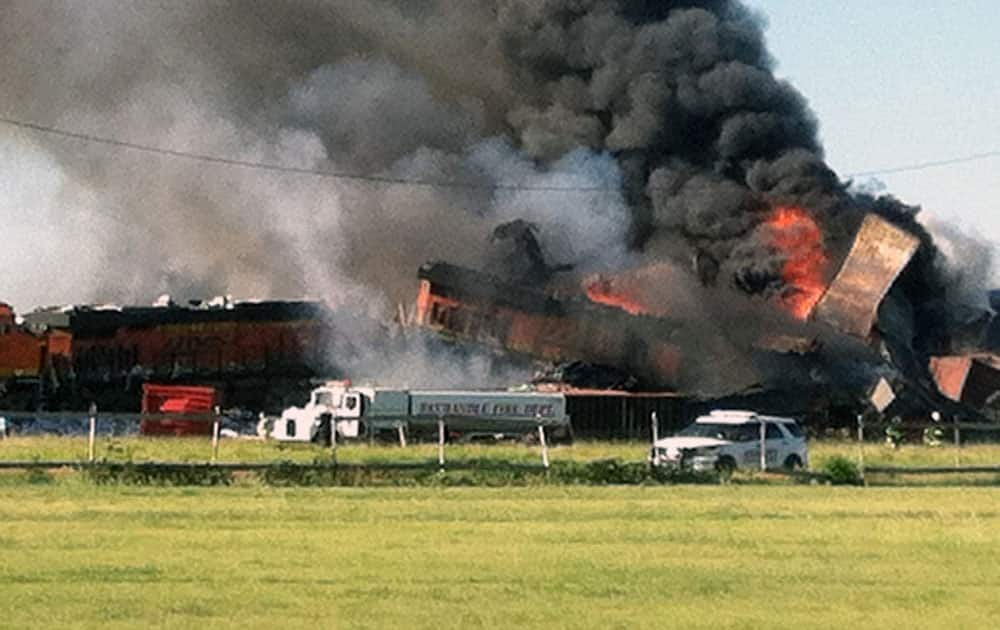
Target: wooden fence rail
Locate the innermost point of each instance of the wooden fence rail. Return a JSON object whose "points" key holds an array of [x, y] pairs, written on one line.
{"points": [[930, 470], [261, 466]]}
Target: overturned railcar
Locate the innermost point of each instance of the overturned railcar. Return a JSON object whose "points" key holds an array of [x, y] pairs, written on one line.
{"points": [[473, 306]]}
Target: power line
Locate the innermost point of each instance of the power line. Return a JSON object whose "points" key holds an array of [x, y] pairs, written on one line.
{"points": [[385, 179], [214, 159], [919, 166]]}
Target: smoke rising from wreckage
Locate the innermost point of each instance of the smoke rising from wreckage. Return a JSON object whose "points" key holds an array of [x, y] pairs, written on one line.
{"points": [[697, 191]]}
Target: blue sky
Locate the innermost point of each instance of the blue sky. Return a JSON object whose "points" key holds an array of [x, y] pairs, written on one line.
{"points": [[895, 83]]}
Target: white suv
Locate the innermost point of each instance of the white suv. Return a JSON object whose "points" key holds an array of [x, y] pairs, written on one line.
{"points": [[727, 440]]}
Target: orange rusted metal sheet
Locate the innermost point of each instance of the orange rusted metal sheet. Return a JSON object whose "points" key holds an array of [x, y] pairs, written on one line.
{"points": [[949, 374], [880, 252], [971, 379]]}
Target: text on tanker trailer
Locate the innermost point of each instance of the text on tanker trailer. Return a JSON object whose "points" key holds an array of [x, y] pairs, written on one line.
{"points": [[355, 411]]}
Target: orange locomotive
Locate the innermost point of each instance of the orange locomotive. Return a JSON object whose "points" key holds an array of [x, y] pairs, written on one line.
{"points": [[80, 354]]}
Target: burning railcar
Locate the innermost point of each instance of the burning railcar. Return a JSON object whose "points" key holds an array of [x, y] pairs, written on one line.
{"points": [[473, 306], [804, 343]]}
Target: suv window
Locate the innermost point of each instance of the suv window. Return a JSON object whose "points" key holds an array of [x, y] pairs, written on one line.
{"points": [[794, 429], [773, 432], [747, 432], [731, 432]]}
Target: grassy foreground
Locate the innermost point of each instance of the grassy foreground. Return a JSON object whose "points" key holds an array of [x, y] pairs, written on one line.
{"points": [[253, 450], [79, 556]]}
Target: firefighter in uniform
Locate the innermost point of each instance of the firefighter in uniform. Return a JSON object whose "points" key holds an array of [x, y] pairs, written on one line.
{"points": [[934, 433], [894, 432]]}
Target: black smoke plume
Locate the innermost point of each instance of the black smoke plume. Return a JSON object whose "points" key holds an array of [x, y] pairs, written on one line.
{"points": [[666, 115]]}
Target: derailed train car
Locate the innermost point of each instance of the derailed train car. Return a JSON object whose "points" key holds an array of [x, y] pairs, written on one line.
{"points": [[477, 307]]}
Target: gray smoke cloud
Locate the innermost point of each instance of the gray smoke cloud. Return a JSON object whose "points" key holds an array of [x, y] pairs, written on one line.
{"points": [[533, 93], [322, 85], [670, 107], [967, 264]]}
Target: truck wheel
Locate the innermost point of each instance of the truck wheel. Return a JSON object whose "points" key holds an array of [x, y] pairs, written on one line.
{"points": [[725, 467]]}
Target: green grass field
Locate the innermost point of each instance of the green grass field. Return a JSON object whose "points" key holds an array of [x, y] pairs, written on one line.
{"points": [[73, 555]]}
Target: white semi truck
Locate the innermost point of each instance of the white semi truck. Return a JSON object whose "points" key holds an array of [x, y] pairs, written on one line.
{"points": [[467, 415]]}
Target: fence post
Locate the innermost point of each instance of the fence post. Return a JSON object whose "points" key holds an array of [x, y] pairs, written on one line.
{"points": [[655, 428], [401, 430], [215, 436], [958, 439], [545, 446], [763, 446], [93, 432], [333, 438], [861, 444], [3, 428], [441, 443]]}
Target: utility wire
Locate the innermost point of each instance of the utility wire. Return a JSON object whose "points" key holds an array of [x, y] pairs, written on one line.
{"points": [[919, 166], [385, 179], [214, 159]]}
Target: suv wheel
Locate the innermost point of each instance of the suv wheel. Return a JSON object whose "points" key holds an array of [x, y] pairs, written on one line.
{"points": [[725, 467], [792, 463]]}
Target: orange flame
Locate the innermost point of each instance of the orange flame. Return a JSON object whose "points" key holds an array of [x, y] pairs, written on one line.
{"points": [[797, 235], [601, 291]]}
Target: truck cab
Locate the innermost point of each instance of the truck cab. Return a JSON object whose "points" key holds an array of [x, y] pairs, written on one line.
{"points": [[331, 407]]}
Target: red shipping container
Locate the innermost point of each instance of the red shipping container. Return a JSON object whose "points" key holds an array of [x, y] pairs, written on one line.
{"points": [[181, 400]]}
